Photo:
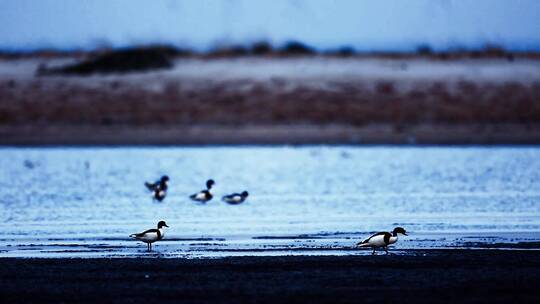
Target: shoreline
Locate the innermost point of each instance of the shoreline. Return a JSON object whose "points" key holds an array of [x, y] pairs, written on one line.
{"points": [[379, 134], [426, 277]]}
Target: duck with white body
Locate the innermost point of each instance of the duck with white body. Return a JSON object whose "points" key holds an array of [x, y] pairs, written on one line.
{"points": [[382, 239], [151, 235], [204, 196], [235, 198]]}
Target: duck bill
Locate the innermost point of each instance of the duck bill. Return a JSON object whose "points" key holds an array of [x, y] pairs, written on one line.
{"points": [[404, 233]]}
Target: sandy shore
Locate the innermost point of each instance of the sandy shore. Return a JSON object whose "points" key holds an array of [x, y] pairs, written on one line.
{"points": [[477, 134], [471, 276], [275, 100], [272, 134]]}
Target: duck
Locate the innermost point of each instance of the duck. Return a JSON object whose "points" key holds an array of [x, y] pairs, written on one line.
{"points": [[161, 184], [151, 235], [158, 188], [382, 239], [204, 196], [235, 198]]}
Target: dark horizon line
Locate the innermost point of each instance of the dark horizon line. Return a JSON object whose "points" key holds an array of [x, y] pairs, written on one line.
{"points": [[290, 48], [264, 46]]}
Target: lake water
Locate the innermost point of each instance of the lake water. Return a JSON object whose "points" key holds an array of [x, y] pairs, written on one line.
{"points": [[84, 202]]}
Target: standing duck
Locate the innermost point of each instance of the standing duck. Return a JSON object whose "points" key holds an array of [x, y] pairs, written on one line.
{"points": [[204, 196], [235, 198], [151, 235], [382, 239]]}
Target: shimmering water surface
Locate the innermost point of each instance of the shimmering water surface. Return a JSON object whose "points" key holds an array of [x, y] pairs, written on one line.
{"points": [[84, 202]]}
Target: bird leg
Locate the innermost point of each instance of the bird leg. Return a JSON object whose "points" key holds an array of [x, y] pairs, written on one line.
{"points": [[373, 253], [386, 249]]}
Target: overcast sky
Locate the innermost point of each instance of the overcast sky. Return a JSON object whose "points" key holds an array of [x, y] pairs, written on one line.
{"points": [[201, 24]]}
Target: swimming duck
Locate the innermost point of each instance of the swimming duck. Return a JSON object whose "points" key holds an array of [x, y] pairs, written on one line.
{"points": [[204, 196], [151, 235], [161, 184], [382, 239], [235, 198]]}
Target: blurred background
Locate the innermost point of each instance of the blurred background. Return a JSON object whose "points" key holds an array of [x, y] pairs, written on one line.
{"points": [[288, 71]]}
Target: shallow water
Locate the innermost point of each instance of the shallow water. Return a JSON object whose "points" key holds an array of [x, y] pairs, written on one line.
{"points": [[84, 202]]}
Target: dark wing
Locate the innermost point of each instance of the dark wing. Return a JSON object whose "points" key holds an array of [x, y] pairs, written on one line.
{"points": [[151, 186], [387, 238], [376, 234], [147, 231]]}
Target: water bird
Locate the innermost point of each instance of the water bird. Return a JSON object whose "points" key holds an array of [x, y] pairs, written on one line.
{"points": [[235, 198], [29, 164], [151, 235], [382, 239], [158, 188], [204, 196], [161, 184]]}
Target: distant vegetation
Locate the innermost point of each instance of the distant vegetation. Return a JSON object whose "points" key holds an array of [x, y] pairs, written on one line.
{"points": [[153, 57], [297, 48], [262, 47], [118, 61]]}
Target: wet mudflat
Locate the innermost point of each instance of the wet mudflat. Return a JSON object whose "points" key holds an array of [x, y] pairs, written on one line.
{"points": [[422, 276]]}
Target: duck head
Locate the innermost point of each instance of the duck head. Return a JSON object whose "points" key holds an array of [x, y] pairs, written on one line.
{"points": [[398, 230], [164, 178], [209, 184], [162, 224], [244, 194]]}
